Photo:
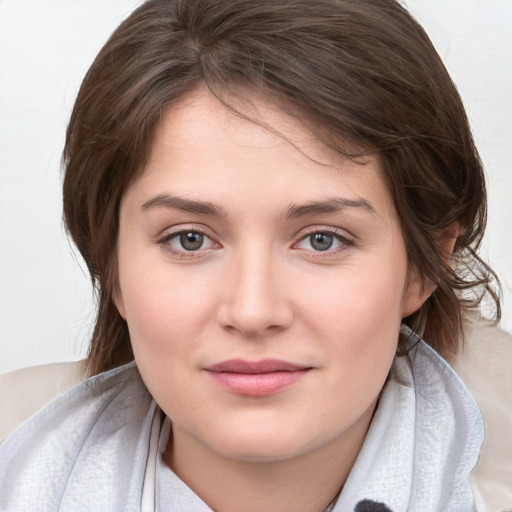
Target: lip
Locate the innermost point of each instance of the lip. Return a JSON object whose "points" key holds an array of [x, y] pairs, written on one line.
{"points": [[256, 378]]}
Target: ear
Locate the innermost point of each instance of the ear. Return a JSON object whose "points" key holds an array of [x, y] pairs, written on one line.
{"points": [[417, 290], [117, 298]]}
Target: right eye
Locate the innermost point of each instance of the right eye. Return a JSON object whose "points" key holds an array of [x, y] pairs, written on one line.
{"points": [[187, 241]]}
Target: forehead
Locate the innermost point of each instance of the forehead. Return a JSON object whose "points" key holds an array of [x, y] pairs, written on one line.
{"points": [[201, 147], [250, 121]]}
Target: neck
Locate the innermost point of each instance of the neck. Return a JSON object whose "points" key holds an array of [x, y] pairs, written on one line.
{"points": [[306, 483]]}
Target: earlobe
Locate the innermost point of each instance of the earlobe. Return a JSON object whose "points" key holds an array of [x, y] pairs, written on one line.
{"points": [[117, 298], [448, 239], [418, 290], [416, 293]]}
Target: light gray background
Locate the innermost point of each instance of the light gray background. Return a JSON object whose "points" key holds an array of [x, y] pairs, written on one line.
{"points": [[46, 305]]}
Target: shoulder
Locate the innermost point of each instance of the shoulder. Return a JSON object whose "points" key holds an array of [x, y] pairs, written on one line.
{"points": [[485, 366], [26, 391]]}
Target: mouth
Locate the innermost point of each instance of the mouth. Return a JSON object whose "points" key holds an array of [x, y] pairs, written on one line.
{"points": [[256, 378]]}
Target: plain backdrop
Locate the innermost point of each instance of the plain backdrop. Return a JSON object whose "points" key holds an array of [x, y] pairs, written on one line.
{"points": [[46, 302]]}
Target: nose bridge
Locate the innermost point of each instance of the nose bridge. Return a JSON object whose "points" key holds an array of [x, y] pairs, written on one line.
{"points": [[256, 300]]}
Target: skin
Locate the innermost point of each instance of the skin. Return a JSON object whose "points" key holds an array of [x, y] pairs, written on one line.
{"points": [[259, 289]]}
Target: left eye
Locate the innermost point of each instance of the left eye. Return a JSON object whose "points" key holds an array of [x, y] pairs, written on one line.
{"points": [[322, 241], [189, 241]]}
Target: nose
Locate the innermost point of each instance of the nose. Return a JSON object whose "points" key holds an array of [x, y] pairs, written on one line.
{"points": [[256, 301]]}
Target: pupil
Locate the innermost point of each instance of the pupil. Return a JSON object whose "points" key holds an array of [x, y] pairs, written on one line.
{"points": [[321, 241], [191, 241]]}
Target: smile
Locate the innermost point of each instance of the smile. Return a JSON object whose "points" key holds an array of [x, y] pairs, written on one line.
{"points": [[256, 378]]}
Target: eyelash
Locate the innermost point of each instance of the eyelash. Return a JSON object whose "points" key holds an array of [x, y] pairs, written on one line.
{"points": [[166, 239], [343, 239]]}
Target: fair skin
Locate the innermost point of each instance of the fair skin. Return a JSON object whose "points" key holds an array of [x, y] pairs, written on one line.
{"points": [[236, 244]]}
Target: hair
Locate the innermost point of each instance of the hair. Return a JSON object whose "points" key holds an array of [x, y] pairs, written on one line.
{"points": [[364, 73]]}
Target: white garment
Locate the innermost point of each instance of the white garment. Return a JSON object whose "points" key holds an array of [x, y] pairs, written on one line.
{"points": [[423, 441], [98, 447]]}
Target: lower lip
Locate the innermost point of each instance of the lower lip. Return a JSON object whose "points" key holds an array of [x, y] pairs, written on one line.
{"points": [[257, 384]]}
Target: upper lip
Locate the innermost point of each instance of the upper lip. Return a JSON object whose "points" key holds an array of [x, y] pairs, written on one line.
{"points": [[254, 367]]}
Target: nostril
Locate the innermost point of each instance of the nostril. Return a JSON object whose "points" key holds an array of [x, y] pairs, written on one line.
{"points": [[252, 332]]}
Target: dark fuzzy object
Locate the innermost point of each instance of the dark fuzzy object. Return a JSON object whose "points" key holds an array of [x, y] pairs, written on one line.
{"points": [[371, 506]]}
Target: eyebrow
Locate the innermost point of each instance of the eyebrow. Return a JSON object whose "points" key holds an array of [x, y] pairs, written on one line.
{"points": [[294, 211], [333, 205], [186, 205]]}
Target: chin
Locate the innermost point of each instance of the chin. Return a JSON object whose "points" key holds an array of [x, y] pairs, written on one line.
{"points": [[266, 444], [251, 451]]}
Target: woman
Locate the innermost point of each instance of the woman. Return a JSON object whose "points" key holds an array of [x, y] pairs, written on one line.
{"points": [[275, 201]]}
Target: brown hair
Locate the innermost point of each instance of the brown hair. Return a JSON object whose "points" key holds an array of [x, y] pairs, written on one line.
{"points": [[365, 72]]}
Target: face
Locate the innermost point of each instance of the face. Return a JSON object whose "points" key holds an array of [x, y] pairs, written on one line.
{"points": [[263, 281]]}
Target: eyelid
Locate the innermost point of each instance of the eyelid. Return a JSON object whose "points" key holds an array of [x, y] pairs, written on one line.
{"points": [[172, 232], [347, 240], [320, 228]]}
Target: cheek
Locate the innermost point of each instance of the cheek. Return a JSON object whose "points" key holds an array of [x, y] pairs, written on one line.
{"points": [[359, 299], [359, 315], [163, 308], [165, 324]]}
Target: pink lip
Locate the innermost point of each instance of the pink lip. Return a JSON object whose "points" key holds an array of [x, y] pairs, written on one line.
{"points": [[256, 378]]}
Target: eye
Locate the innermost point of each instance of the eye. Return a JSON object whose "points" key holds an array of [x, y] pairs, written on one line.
{"points": [[188, 241], [321, 241]]}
